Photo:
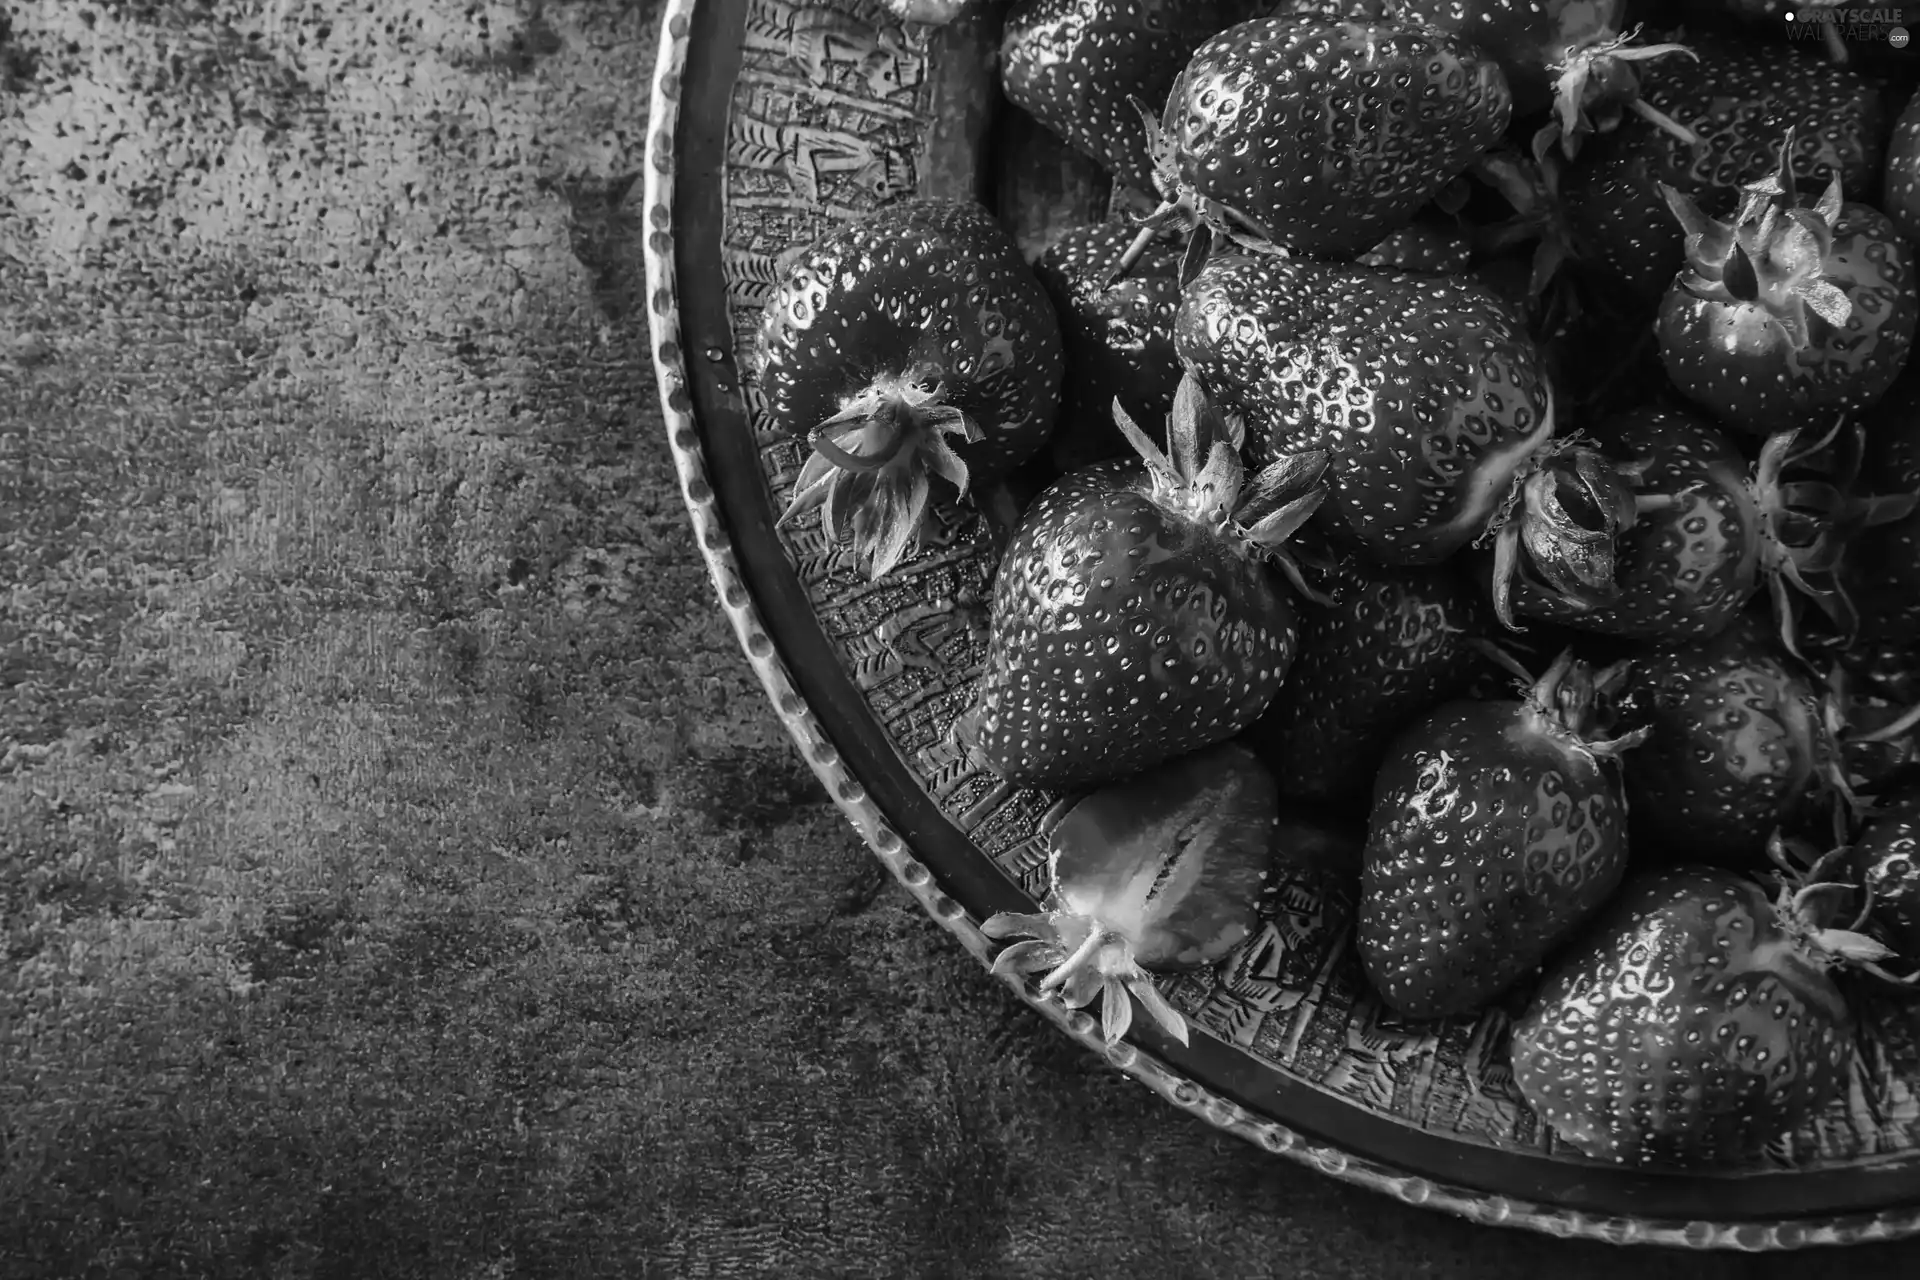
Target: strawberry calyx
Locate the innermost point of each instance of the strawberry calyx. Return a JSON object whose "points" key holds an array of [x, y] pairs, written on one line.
{"points": [[1200, 478], [1082, 959], [1186, 211], [1815, 907], [1807, 522], [1561, 525], [1532, 187], [875, 459], [1572, 703], [1873, 737], [1595, 86], [1773, 253]]}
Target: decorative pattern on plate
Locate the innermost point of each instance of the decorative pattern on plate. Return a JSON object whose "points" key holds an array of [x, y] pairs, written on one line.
{"points": [[851, 90]]}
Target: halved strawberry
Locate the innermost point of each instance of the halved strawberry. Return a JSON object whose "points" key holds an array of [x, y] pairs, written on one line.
{"points": [[1158, 873]]}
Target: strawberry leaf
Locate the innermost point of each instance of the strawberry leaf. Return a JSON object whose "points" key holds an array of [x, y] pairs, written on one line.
{"points": [[909, 510], [1026, 957], [1143, 444], [1830, 203], [1158, 1009], [1219, 482], [1194, 259], [1275, 528], [1738, 276], [1081, 985], [817, 476], [1687, 212], [1506, 561], [1848, 945], [945, 463], [1187, 428], [1289, 474], [1116, 1011], [1017, 924], [844, 493], [1783, 175], [1826, 300]]}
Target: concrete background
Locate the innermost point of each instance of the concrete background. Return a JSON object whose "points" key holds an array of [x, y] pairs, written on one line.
{"points": [[400, 872]]}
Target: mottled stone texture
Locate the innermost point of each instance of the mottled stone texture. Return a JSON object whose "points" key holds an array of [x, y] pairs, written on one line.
{"points": [[400, 872]]}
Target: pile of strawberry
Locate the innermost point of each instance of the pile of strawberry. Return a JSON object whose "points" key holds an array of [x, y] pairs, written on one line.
{"points": [[1501, 436]]}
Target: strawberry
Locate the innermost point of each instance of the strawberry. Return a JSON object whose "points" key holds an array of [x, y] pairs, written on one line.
{"points": [[1882, 569], [1566, 56], [1427, 247], [1162, 872], [1693, 1023], [1392, 645], [1900, 195], [1737, 98], [1119, 337], [1497, 828], [1788, 314], [1042, 187], [1879, 736], [1076, 66], [1660, 529], [1320, 136], [1531, 188], [1424, 390], [1886, 859], [1134, 616], [912, 343], [1741, 741]]}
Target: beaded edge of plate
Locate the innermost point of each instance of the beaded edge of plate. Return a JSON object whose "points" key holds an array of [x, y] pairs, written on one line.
{"points": [[684, 438]]}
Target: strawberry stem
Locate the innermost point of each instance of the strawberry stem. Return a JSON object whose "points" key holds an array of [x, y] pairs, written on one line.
{"points": [[825, 443], [1096, 939], [1909, 720]]}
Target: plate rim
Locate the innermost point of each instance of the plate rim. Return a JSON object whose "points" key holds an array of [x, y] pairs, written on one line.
{"points": [[687, 443]]}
